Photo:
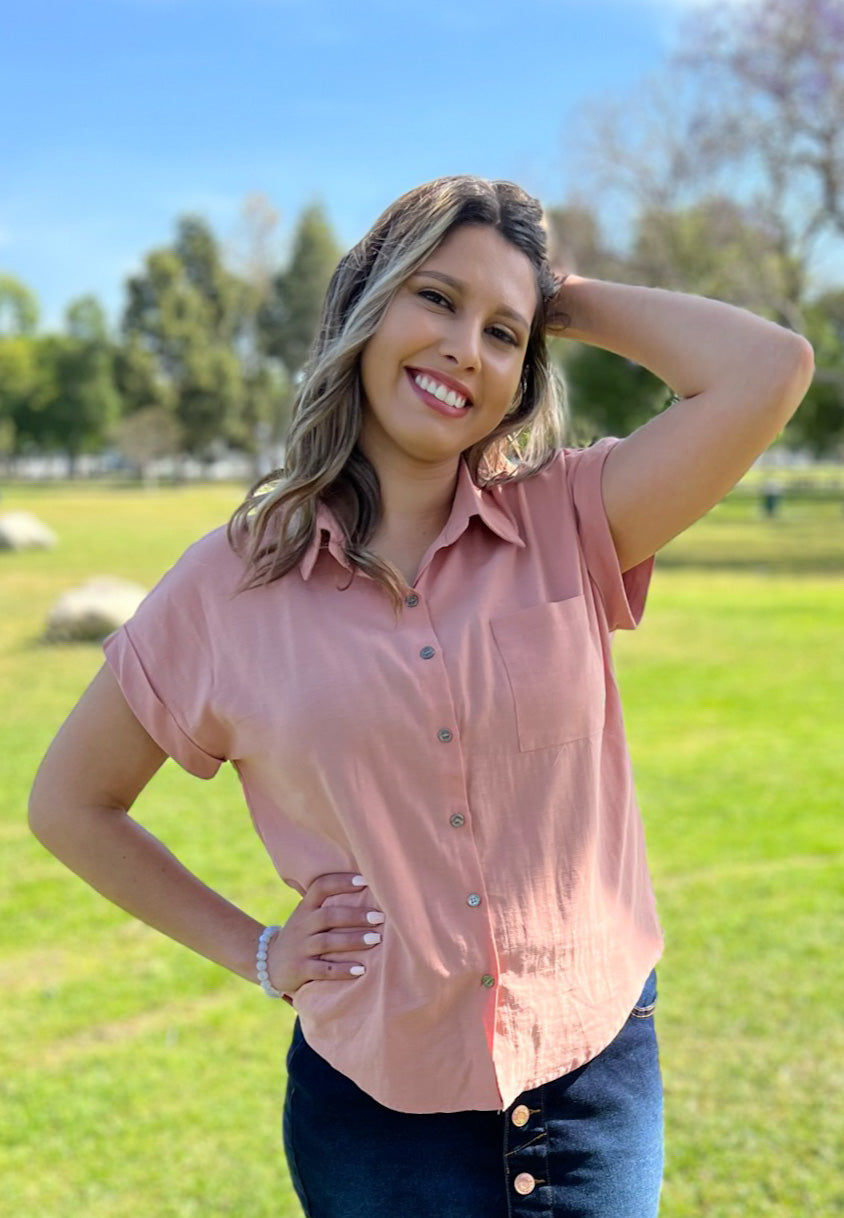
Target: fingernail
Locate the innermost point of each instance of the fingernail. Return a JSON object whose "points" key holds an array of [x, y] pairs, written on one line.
{"points": [[358, 881], [357, 970], [372, 936], [375, 917]]}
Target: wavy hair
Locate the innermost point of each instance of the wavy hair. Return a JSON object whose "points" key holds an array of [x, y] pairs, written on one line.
{"points": [[275, 524]]}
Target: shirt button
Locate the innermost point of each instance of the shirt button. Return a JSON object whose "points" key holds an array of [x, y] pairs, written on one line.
{"points": [[473, 899], [487, 982], [427, 653], [524, 1183], [457, 821], [520, 1115], [411, 600], [445, 734]]}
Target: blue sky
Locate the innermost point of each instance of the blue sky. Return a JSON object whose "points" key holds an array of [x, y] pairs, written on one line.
{"points": [[121, 114]]}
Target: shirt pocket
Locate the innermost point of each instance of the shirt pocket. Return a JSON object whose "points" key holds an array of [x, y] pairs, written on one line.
{"points": [[555, 670]]}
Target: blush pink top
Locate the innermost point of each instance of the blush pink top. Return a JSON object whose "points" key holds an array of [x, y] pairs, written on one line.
{"points": [[469, 759]]}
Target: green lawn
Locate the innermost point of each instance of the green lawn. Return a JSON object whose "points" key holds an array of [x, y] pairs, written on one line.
{"points": [[138, 1081]]}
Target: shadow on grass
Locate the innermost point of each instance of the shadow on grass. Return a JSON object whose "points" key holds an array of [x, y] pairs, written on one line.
{"points": [[787, 564]]}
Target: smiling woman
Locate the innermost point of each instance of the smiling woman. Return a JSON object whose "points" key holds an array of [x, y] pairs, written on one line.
{"points": [[403, 645], [452, 352], [459, 261]]}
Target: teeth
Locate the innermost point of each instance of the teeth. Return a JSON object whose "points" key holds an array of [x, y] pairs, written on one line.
{"points": [[440, 391]]}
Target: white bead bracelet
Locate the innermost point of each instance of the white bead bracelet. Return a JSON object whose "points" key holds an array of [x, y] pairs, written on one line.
{"points": [[267, 936]]}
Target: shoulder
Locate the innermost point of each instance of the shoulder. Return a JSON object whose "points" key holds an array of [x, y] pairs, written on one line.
{"points": [[213, 551], [208, 565], [571, 476], [197, 589]]}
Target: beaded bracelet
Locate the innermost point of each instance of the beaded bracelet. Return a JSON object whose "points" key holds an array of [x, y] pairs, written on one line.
{"points": [[267, 935]]}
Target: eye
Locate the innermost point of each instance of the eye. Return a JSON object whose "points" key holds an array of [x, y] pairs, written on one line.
{"points": [[435, 297], [504, 336]]}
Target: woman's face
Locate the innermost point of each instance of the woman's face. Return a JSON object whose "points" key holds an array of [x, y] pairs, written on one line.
{"points": [[444, 366]]}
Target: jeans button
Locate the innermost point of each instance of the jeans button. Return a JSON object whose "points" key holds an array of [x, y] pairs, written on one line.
{"points": [[524, 1183]]}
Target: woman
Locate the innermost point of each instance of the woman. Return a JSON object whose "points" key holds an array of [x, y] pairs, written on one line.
{"points": [[403, 646]]}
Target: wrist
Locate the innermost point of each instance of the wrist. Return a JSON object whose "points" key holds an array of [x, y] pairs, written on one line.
{"points": [[566, 309], [261, 961]]}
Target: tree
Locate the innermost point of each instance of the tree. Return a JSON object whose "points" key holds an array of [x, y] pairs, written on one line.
{"points": [[253, 245], [18, 372], [267, 386], [18, 308], [778, 66], [145, 436], [716, 247], [752, 110], [607, 395], [290, 316], [72, 400], [819, 423], [18, 379], [184, 317], [576, 242], [727, 175]]}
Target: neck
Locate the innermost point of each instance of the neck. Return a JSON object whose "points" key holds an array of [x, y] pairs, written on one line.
{"points": [[415, 504], [425, 498]]}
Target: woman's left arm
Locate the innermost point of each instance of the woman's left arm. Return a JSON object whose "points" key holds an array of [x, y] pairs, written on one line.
{"points": [[739, 379]]}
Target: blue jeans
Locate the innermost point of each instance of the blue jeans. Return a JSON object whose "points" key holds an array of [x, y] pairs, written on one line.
{"points": [[587, 1145]]}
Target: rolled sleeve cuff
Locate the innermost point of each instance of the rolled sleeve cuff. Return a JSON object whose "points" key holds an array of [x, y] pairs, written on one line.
{"points": [[147, 707]]}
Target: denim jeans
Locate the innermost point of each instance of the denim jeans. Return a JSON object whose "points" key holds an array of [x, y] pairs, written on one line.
{"points": [[587, 1145]]}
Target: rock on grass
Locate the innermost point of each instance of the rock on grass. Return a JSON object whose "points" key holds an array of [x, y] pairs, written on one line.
{"points": [[23, 531], [88, 613]]}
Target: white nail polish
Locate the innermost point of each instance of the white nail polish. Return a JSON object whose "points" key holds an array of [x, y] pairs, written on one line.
{"points": [[358, 881], [357, 970], [371, 936], [375, 917]]}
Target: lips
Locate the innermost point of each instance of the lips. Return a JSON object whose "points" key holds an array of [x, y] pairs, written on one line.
{"points": [[437, 387]]}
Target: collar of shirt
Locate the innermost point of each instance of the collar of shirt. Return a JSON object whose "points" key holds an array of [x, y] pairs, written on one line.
{"points": [[469, 500]]}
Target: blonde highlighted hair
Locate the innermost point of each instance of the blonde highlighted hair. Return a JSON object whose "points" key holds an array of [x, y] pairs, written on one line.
{"points": [[273, 527]]}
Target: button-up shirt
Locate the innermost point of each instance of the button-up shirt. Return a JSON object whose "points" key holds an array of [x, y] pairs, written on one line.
{"points": [[467, 757]]}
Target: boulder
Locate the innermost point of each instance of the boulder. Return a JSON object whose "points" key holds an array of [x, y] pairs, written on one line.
{"points": [[23, 531], [91, 611]]}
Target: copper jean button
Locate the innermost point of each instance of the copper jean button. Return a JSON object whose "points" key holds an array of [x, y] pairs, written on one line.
{"points": [[524, 1183], [520, 1115]]}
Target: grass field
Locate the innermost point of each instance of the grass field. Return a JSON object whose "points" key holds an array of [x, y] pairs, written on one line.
{"points": [[138, 1081]]}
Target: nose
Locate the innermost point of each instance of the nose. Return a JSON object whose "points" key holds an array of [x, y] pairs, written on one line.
{"points": [[461, 344]]}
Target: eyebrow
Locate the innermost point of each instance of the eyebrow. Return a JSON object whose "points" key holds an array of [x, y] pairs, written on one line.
{"points": [[458, 283]]}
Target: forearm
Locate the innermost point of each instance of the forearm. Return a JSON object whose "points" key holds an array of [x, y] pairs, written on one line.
{"points": [[692, 344], [133, 869], [740, 379]]}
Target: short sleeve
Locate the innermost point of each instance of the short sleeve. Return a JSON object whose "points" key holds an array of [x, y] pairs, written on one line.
{"points": [[623, 594], [163, 660]]}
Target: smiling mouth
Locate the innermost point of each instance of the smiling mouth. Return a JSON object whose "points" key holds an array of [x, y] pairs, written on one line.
{"points": [[443, 393]]}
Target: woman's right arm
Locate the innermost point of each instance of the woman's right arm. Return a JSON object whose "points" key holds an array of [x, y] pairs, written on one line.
{"points": [[96, 767]]}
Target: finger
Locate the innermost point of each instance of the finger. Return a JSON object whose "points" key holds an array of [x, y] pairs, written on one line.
{"points": [[335, 970], [343, 941], [333, 884], [337, 917]]}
